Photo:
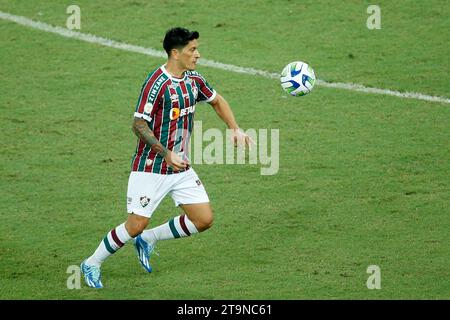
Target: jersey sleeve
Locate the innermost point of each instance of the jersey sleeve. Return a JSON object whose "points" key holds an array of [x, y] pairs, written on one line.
{"points": [[148, 99], [205, 91]]}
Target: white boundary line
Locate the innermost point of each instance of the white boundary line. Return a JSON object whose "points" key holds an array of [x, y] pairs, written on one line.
{"points": [[209, 63]]}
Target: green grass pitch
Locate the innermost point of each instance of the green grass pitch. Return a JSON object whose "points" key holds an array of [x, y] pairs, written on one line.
{"points": [[363, 179]]}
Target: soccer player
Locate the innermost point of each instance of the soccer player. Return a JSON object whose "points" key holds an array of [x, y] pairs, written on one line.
{"points": [[163, 123]]}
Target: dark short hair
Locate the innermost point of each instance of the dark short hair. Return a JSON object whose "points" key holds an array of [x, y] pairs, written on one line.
{"points": [[177, 38]]}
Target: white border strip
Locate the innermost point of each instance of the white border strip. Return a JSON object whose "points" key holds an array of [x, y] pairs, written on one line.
{"points": [[209, 63]]}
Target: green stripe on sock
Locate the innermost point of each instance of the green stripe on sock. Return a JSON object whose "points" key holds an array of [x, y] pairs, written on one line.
{"points": [[173, 229], [108, 246]]}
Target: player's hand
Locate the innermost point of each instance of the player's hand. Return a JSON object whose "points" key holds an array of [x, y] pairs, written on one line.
{"points": [[174, 161], [240, 139]]}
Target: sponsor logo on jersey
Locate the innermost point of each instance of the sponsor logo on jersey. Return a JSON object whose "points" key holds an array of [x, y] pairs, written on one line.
{"points": [[155, 89], [175, 113]]}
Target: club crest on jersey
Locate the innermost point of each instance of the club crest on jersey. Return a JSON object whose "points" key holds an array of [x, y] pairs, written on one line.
{"points": [[144, 201], [194, 90]]}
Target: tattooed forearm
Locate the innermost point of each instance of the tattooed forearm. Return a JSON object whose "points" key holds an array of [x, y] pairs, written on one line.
{"points": [[143, 132]]}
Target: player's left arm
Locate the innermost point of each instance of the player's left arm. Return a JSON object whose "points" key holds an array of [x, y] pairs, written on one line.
{"points": [[224, 111]]}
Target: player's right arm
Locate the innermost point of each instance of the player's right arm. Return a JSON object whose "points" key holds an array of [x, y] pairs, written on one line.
{"points": [[143, 132]]}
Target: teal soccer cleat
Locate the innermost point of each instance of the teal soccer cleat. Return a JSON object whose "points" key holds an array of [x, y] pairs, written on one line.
{"points": [[144, 251], [92, 275]]}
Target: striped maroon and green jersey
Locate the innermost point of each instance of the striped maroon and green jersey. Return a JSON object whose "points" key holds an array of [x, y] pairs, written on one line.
{"points": [[168, 105]]}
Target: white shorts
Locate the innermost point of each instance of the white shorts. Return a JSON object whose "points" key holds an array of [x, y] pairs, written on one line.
{"points": [[146, 190]]}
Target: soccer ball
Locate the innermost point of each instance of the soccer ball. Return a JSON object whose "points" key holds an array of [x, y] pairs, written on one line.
{"points": [[297, 78]]}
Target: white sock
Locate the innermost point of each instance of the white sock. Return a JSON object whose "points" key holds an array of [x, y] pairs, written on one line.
{"points": [[114, 240], [178, 227]]}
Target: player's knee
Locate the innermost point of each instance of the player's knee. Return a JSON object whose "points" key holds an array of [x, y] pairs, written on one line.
{"points": [[209, 222], [136, 224], [204, 223]]}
